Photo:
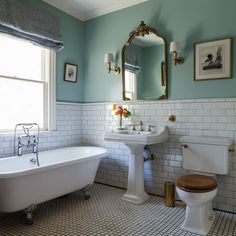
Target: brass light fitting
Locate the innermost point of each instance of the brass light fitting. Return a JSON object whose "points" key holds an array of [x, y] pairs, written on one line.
{"points": [[109, 58], [172, 118], [175, 48], [177, 61]]}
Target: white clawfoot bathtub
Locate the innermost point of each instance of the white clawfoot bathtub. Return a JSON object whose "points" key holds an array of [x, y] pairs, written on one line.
{"points": [[61, 171]]}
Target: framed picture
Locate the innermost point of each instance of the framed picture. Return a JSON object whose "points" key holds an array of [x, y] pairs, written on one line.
{"points": [[212, 60], [70, 73]]}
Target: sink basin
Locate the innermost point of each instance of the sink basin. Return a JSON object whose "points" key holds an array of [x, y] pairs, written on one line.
{"points": [[133, 132], [137, 137], [136, 141]]}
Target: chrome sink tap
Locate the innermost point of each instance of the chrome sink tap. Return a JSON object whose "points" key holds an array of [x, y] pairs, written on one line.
{"points": [[141, 126], [134, 127], [150, 127]]}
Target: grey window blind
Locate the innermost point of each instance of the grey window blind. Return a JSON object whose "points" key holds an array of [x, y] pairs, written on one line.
{"points": [[19, 19], [132, 62]]}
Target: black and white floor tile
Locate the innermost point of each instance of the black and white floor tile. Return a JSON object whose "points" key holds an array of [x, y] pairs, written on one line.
{"points": [[106, 215]]}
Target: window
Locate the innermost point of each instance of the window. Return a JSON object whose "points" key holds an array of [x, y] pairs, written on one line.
{"points": [[26, 84], [130, 85]]}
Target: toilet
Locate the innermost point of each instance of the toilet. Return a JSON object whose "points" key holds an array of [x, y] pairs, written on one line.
{"points": [[205, 157]]}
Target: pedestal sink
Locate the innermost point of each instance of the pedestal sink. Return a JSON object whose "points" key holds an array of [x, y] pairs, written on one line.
{"points": [[135, 141]]}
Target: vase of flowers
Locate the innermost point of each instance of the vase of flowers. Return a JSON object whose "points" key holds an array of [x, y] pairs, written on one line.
{"points": [[121, 112]]}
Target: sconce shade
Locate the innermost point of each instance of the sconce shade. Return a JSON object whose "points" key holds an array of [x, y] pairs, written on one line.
{"points": [[175, 47], [108, 58]]}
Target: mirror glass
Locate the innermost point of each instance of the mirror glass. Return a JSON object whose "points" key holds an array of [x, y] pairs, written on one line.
{"points": [[144, 65]]}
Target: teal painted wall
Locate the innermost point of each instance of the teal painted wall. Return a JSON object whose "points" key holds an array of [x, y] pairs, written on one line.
{"points": [[149, 78], [187, 21], [72, 31], [152, 87]]}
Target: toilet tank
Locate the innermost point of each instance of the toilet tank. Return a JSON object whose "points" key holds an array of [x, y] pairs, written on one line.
{"points": [[206, 154]]}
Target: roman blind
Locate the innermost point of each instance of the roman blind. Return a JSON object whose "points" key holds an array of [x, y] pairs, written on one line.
{"points": [[19, 19], [132, 60]]}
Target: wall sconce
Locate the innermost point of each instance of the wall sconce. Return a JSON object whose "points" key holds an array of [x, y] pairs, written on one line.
{"points": [[175, 47], [109, 58]]}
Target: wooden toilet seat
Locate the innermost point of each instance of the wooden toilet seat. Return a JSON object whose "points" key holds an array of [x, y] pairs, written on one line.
{"points": [[196, 183]]}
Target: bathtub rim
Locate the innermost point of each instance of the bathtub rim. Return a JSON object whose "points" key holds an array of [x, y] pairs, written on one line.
{"points": [[36, 169]]}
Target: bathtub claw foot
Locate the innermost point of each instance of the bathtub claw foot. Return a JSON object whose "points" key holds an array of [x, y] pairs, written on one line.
{"points": [[85, 191], [29, 218], [86, 196], [29, 214]]}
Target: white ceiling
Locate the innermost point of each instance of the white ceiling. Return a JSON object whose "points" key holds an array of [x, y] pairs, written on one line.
{"points": [[88, 9]]}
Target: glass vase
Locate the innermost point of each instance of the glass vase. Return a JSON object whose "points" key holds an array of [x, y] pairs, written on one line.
{"points": [[120, 125]]}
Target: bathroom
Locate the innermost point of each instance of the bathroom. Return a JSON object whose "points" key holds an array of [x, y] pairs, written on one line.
{"points": [[83, 113]]}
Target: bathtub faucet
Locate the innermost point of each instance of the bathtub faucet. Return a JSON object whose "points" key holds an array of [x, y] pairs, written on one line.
{"points": [[23, 138], [29, 144], [33, 144], [19, 147]]}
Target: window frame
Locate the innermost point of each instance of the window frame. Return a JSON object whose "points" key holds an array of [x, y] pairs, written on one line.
{"points": [[134, 78], [48, 72]]}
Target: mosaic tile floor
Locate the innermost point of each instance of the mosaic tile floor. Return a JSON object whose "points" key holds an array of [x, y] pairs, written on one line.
{"points": [[105, 214]]}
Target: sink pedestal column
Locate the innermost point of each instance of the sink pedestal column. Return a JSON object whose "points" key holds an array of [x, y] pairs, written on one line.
{"points": [[135, 191]]}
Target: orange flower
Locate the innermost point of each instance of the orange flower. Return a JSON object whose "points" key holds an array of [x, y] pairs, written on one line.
{"points": [[114, 107], [118, 110]]}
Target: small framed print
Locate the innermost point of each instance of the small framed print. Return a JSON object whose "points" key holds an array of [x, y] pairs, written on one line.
{"points": [[212, 60], [70, 72]]}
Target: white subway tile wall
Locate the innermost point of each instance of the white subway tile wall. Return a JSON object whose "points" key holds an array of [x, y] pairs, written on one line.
{"points": [[86, 123], [68, 133], [200, 117]]}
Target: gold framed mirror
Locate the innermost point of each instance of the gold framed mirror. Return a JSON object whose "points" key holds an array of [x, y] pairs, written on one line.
{"points": [[144, 65]]}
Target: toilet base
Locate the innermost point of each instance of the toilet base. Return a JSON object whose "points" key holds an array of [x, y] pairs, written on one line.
{"points": [[199, 215], [199, 220]]}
